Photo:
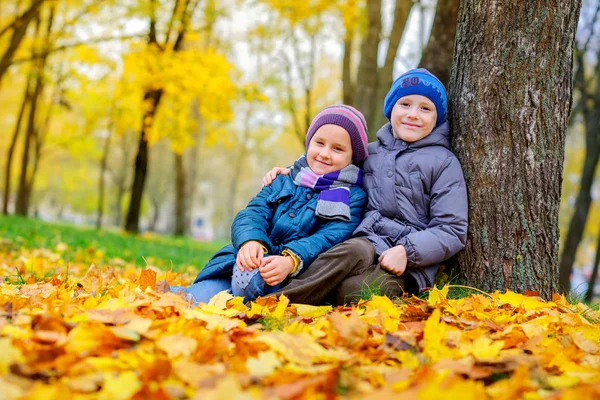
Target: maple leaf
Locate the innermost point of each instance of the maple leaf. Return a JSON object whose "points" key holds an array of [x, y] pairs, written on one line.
{"points": [[147, 279]]}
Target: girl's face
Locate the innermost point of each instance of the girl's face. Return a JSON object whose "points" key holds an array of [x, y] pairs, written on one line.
{"points": [[413, 118], [329, 150]]}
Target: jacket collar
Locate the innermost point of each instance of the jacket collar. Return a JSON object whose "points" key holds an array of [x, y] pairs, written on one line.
{"points": [[440, 136]]}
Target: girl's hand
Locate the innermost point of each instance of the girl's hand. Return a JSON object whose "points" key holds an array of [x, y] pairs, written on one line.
{"points": [[275, 269], [394, 260], [250, 256], [272, 174]]}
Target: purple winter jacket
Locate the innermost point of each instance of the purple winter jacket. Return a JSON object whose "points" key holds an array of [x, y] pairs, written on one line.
{"points": [[417, 198]]}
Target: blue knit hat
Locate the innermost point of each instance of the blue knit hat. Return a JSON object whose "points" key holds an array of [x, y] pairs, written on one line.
{"points": [[422, 82]]}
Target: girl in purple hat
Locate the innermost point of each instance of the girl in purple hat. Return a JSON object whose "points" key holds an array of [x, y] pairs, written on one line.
{"points": [[296, 218]]}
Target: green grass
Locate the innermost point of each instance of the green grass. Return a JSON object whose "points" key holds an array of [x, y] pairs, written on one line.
{"points": [[162, 251]]}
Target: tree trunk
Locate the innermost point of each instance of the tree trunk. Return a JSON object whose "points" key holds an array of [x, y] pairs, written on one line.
{"points": [[347, 86], [386, 73], [437, 56], [589, 296], [589, 106], [366, 79], [19, 28], [238, 165], [141, 162], [13, 144], [25, 182], [155, 215], [510, 100], [101, 180], [119, 205], [179, 195]]}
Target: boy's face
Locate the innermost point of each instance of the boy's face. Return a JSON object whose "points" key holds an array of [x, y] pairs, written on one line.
{"points": [[329, 150], [413, 118]]}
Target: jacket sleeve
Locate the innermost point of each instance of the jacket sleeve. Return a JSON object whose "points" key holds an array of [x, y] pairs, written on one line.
{"points": [[255, 221], [446, 233], [330, 233]]}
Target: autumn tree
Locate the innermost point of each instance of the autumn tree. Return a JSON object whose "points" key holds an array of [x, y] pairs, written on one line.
{"points": [[159, 66], [510, 100]]}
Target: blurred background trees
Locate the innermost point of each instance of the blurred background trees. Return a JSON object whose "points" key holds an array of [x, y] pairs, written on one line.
{"points": [[162, 115]]}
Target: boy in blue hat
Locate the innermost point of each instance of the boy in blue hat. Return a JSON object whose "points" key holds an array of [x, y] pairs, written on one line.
{"points": [[417, 209]]}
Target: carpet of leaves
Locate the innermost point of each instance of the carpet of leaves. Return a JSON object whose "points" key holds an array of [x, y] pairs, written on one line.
{"points": [[78, 331]]}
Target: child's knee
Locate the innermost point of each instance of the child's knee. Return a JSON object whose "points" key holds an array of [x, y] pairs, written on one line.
{"points": [[357, 248]]}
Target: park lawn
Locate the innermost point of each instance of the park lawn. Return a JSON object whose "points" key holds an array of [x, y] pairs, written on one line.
{"points": [[103, 246]]}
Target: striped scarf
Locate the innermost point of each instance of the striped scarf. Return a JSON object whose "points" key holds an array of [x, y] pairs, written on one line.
{"points": [[333, 187]]}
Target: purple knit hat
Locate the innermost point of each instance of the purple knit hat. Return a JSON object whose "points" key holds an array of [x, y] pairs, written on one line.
{"points": [[348, 118]]}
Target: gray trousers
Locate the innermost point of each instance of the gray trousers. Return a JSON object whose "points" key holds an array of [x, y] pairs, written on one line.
{"points": [[346, 273]]}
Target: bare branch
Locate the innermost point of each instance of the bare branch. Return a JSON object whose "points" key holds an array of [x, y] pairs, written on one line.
{"points": [[50, 51]]}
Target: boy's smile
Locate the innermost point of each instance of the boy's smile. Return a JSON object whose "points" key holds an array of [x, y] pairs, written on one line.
{"points": [[413, 118], [329, 150]]}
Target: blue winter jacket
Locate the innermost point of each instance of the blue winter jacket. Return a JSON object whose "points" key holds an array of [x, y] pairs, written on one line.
{"points": [[417, 198], [280, 216]]}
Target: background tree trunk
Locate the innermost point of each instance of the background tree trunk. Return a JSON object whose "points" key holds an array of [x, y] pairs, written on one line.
{"points": [[19, 29], [347, 85], [437, 56], [510, 100], [589, 106], [385, 74], [141, 162], [13, 143], [366, 78], [24, 190], [101, 180], [589, 296], [179, 196]]}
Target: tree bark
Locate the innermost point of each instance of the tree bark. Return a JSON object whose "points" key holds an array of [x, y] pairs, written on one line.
{"points": [[386, 73], [510, 100], [437, 56], [366, 78], [590, 109], [179, 195], [13, 143]]}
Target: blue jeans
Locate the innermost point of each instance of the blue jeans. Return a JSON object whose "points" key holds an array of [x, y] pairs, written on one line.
{"points": [[249, 285], [202, 291]]}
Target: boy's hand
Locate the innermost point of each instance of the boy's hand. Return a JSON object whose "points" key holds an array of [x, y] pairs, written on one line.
{"points": [[394, 260], [250, 256], [275, 269], [272, 174]]}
